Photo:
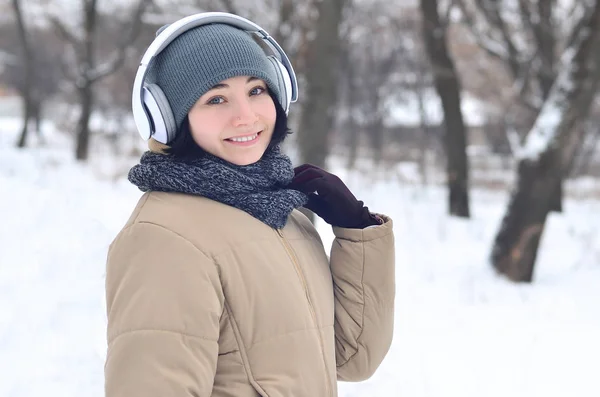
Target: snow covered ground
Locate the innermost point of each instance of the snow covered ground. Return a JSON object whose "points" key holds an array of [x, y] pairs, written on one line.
{"points": [[460, 329]]}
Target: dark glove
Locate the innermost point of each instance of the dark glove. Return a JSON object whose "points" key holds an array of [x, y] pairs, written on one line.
{"points": [[329, 198]]}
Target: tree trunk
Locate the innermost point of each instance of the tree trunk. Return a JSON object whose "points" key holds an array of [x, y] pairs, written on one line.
{"points": [[424, 133], [353, 137], [37, 118], [320, 100], [27, 61], [87, 71], [22, 142], [556, 204], [83, 125], [544, 33], [351, 128], [516, 245], [85, 82], [376, 133], [448, 88], [560, 126], [534, 77]]}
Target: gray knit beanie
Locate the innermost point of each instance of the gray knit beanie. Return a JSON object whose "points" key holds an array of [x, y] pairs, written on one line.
{"points": [[204, 56]]}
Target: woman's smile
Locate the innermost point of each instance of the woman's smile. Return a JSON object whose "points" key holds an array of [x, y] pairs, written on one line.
{"points": [[244, 140]]}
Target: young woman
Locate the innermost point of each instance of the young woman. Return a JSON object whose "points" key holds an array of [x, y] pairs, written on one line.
{"points": [[217, 285]]}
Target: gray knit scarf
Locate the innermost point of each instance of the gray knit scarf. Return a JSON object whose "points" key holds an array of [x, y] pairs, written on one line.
{"points": [[258, 189]]}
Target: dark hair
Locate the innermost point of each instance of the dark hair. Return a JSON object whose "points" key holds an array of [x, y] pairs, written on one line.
{"points": [[184, 146]]}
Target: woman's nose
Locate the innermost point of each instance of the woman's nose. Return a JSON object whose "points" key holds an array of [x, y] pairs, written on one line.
{"points": [[244, 114]]}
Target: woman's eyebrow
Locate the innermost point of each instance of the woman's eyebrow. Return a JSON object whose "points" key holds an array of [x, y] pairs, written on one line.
{"points": [[223, 85], [217, 86]]}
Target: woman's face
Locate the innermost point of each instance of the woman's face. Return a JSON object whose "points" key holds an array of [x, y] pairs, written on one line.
{"points": [[234, 120]]}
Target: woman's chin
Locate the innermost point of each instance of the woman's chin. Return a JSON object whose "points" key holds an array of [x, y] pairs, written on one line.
{"points": [[243, 159]]}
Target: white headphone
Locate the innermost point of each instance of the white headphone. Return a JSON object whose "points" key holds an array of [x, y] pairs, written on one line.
{"points": [[151, 111]]}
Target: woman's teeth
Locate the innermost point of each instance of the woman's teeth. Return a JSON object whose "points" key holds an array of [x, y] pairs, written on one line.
{"points": [[244, 138]]}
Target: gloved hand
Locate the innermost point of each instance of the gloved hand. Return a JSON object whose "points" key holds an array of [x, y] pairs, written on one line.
{"points": [[329, 198]]}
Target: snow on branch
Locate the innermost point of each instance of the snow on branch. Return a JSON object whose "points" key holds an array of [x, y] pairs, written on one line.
{"points": [[577, 22], [545, 129], [547, 125]]}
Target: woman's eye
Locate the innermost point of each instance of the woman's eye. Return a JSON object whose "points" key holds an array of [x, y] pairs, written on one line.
{"points": [[257, 90], [215, 101]]}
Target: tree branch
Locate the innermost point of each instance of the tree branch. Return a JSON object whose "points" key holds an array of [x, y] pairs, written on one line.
{"points": [[544, 36], [73, 44], [492, 10], [580, 24], [90, 24], [571, 95], [485, 41], [62, 30], [119, 55]]}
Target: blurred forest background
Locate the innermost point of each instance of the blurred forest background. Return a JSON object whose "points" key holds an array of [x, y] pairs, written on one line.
{"points": [[465, 93]]}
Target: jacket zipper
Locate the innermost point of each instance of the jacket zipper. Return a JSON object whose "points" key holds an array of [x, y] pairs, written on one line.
{"points": [[310, 305]]}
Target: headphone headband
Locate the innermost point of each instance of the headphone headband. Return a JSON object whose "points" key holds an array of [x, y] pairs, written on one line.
{"points": [[172, 31]]}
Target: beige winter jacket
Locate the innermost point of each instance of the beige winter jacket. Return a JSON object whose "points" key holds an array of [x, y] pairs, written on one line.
{"points": [[205, 300]]}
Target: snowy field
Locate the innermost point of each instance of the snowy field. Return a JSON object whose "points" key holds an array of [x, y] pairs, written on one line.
{"points": [[460, 329]]}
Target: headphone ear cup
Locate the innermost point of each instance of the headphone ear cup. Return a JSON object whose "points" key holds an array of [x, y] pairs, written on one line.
{"points": [[161, 115], [284, 82]]}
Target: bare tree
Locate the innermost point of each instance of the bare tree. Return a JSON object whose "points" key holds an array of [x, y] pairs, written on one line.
{"points": [[27, 62], [548, 152], [41, 74], [321, 84], [347, 119], [294, 25], [87, 71], [424, 145], [367, 75], [528, 38], [447, 85]]}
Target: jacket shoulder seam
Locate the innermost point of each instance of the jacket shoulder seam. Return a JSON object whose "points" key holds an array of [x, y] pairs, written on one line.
{"points": [[170, 231]]}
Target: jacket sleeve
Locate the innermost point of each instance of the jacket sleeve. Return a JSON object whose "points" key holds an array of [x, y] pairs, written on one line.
{"points": [[164, 302], [363, 267]]}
